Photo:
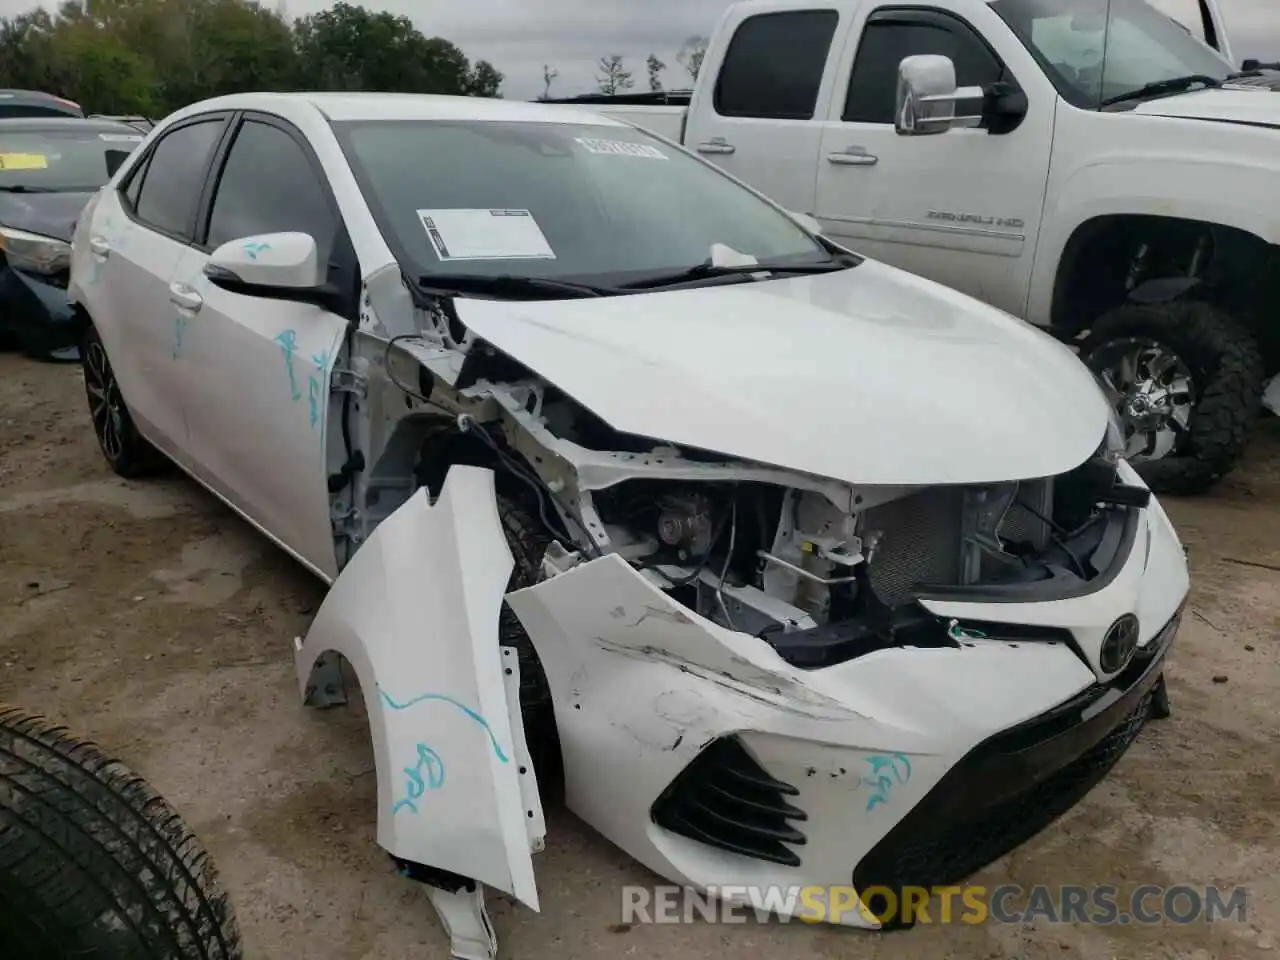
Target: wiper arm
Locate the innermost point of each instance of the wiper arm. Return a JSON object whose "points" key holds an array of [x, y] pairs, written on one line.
{"points": [[1162, 87], [461, 284], [708, 269]]}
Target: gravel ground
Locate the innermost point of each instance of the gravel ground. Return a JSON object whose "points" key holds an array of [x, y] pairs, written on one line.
{"points": [[151, 619]]}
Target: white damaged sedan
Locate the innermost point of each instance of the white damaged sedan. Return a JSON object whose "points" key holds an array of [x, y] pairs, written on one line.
{"points": [[791, 568]]}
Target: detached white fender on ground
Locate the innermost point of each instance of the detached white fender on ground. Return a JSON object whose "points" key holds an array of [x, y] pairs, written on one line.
{"points": [[415, 612]]}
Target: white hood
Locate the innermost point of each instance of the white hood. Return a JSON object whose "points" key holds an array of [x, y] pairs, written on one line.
{"points": [[870, 375], [1259, 106]]}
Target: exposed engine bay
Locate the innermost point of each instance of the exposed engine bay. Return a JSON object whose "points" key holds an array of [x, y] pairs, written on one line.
{"points": [[822, 570]]}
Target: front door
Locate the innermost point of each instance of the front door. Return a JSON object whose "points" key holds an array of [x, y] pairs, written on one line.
{"points": [[255, 372], [962, 208]]}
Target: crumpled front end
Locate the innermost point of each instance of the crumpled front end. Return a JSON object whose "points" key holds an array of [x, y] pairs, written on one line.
{"points": [[906, 746]]}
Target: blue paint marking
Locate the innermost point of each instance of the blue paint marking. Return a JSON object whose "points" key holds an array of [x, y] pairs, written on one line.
{"points": [[255, 247], [179, 331], [426, 774], [423, 698], [288, 341], [886, 771], [314, 384]]}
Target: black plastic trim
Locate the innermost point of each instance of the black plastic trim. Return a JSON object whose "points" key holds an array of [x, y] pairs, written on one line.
{"points": [[1041, 591], [1014, 784]]}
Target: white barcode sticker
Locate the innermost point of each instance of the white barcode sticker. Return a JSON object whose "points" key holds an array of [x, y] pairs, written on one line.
{"points": [[621, 148]]}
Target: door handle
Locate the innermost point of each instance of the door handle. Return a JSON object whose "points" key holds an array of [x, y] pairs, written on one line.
{"points": [[185, 297], [716, 145], [100, 247], [853, 157]]}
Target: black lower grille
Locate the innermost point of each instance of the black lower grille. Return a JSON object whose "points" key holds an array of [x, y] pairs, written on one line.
{"points": [[1012, 786], [725, 799]]}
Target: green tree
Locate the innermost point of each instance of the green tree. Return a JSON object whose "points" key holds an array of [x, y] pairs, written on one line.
{"points": [[655, 68], [156, 56], [691, 56], [613, 77], [351, 48]]}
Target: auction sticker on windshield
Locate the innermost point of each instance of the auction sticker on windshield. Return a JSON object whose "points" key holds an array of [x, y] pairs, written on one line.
{"points": [[485, 235], [621, 148], [23, 161]]}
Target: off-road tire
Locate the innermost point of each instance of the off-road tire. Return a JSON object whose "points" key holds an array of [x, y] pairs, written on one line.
{"points": [[1226, 363], [94, 863], [136, 457]]}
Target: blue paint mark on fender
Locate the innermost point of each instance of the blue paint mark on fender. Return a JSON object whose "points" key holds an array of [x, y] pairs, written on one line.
{"points": [[288, 340], [254, 247], [443, 698], [314, 384], [426, 774], [886, 772]]}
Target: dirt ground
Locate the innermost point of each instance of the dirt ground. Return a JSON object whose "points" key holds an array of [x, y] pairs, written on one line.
{"points": [[151, 619]]}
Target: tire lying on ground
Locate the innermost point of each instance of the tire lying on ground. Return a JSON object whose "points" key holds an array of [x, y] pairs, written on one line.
{"points": [[93, 862], [1225, 363]]}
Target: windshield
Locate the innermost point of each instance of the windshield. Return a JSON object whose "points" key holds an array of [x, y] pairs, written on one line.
{"points": [[61, 160], [595, 204], [1098, 50]]}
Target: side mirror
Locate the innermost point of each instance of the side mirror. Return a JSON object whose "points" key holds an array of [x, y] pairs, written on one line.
{"points": [[927, 96], [806, 222], [275, 266]]}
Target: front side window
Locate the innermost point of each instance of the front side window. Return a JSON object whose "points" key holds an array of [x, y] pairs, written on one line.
{"points": [[61, 160], [1098, 51], [593, 203], [774, 65], [892, 35], [269, 186], [174, 176]]}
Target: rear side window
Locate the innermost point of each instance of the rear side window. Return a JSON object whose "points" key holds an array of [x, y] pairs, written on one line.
{"points": [[891, 35], [268, 185], [174, 177], [774, 65]]}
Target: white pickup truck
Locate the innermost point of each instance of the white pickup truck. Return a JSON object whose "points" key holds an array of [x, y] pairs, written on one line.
{"points": [[1092, 166]]}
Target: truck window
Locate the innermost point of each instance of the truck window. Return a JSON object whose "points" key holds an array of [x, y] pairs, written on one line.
{"points": [[889, 36], [774, 65]]}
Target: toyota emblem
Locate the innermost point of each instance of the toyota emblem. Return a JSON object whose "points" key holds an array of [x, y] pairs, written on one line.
{"points": [[1119, 645]]}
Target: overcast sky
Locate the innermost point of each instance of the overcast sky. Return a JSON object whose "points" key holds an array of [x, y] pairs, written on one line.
{"points": [[519, 36]]}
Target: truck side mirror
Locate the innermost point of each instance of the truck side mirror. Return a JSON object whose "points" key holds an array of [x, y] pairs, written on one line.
{"points": [[927, 96]]}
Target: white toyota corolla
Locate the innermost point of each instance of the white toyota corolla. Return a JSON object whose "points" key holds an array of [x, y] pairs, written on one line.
{"points": [[793, 569]]}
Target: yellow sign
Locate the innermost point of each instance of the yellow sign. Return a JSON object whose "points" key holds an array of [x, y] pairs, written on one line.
{"points": [[23, 161]]}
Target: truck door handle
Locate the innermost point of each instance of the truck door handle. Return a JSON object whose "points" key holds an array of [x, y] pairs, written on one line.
{"points": [[100, 247], [716, 145], [853, 157], [185, 297]]}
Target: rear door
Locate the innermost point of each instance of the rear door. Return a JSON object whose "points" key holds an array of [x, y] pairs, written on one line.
{"points": [[962, 208], [138, 236], [756, 118], [255, 371]]}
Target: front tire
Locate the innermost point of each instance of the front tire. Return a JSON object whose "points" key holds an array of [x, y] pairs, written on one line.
{"points": [[126, 451], [94, 863], [1187, 382]]}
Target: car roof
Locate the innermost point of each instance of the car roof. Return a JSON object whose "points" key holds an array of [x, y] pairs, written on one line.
{"points": [[407, 106], [54, 124]]}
